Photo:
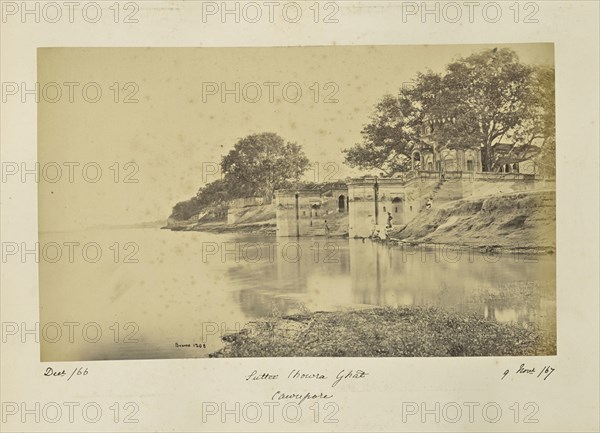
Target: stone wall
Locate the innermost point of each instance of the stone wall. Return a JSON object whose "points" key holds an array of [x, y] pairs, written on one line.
{"points": [[403, 201], [361, 208], [304, 212], [238, 207]]}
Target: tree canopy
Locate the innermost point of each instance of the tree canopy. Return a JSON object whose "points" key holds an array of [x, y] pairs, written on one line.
{"points": [[256, 166], [479, 101], [389, 138], [261, 163]]}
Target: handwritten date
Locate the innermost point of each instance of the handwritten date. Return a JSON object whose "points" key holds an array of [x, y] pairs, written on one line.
{"points": [[543, 373], [78, 371]]}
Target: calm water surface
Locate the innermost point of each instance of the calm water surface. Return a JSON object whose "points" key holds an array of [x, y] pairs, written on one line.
{"points": [[189, 287]]}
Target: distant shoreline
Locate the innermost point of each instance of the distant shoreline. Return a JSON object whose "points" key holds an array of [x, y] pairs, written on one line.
{"points": [[271, 230], [264, 229]]}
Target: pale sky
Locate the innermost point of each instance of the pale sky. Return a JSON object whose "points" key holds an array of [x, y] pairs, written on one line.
{"points": [[171, 133]]}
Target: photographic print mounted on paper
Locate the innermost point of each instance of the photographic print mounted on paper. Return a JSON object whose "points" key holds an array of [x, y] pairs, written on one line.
{"points": [[342, 201]]}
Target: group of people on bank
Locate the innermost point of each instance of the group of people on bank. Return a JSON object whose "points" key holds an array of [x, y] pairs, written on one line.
{"points": [[379, 232]]}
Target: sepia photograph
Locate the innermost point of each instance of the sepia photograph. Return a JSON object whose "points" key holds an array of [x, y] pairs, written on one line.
{"points": [[341, 201], [303, 216]]}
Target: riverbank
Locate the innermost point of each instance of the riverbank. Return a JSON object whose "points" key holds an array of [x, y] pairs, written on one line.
{"points": [[259, 220], [385, 332], [523, 222], [520, 223], [267, 229]]}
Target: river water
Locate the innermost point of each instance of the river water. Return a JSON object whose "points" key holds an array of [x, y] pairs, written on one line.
{"points": [[154, 290]]}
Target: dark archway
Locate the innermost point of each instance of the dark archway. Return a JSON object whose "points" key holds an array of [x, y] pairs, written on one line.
{"points": [[416, 160], [398, 206], [314, 210], [341, 203]]}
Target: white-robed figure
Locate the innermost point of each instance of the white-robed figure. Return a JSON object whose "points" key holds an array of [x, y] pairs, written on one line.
{"points": [[379, 232]]}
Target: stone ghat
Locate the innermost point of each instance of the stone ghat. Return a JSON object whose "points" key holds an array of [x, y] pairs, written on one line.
{"points": [[359, 206]]}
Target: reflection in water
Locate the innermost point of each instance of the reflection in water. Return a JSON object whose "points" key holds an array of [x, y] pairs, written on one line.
{"points": [[176, 288], [504, 288]]}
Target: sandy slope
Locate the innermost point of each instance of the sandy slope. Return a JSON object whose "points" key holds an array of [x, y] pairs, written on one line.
{"points": [[514, 220]]}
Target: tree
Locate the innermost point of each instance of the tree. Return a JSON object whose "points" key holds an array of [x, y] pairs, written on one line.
{"points": [[257, 166], [214, 193], [388, 139], [261, 163], [543, 129], [184, 210], [478, 102], [483, 98]]}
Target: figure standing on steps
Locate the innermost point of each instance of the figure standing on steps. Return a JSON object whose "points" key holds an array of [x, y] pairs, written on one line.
{"points": [[389, 220], [326, 229]]}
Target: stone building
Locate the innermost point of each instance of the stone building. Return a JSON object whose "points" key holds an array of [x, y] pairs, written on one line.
{"points": [[445, 160], [438, 175], [373, 201], [306, 212]]}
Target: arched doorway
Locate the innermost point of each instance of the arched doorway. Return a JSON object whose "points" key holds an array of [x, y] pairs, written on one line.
{"points": [[415, 160], [341, 203], [398, 209], [314, 210]]}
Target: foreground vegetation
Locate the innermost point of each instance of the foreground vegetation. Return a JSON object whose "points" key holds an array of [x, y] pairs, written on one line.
{"points": [[382, 332]]}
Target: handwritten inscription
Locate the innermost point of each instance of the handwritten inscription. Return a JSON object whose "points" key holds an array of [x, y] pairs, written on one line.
{"points": [[541, 373], [343, 375], [302, 376], [192, 345], [349, 374], [262, 376], [300, 397], [297, 374], [78, 371]]}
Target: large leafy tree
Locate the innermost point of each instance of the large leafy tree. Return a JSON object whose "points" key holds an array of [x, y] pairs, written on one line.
{"points": [[538, 130], [212, 194], [479, 101], [216, 192], [184, 210], [261, 163], [257, 166], [487, 95], [389, 138]]}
